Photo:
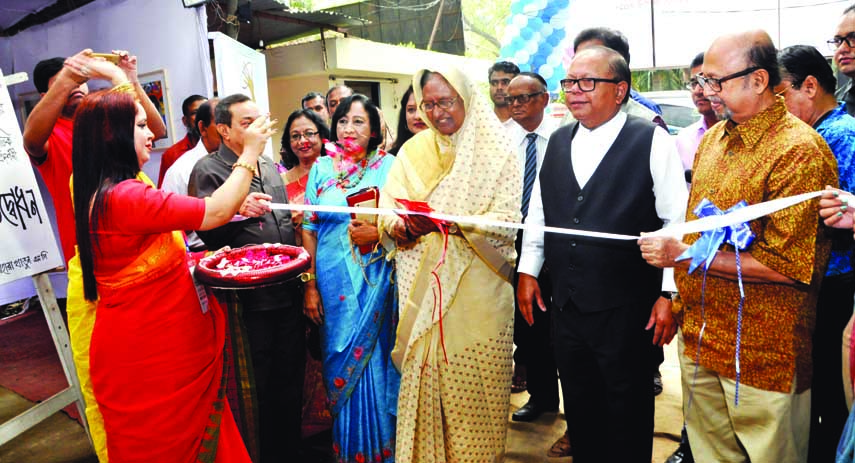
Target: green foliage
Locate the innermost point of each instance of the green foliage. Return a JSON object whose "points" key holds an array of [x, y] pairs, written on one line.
{"points": [[484, 23], [301, 4], [659, 79], [407, 44]]}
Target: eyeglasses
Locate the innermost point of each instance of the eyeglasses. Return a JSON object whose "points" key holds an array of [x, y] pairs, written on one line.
{"points": [[308, 134], [783, 91], [586, 84], [522, 99], [693, 84], [715, 84], [836, 41], [445, 104]]}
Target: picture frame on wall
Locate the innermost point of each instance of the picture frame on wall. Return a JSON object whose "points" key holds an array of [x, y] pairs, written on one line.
{"points": [[26, 102], [157, 88]]}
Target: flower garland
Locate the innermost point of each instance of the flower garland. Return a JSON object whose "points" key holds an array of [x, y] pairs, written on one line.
{"points": [[350, 171]]}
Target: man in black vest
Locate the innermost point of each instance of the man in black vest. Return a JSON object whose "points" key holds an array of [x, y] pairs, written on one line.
{"points": [[612, 173]]}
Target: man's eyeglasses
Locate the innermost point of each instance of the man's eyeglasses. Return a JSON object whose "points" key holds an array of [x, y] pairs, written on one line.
{"points": [[586, 84], [715, 84], [693, 84], [836, 41], [784, 90], [445, 103], [308, 134], [522, 99]]}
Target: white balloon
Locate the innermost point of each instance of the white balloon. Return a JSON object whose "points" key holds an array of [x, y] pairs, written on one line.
{"points": [[546, 30], [531, 8], [520, 20], [554, 58], [521, 57], [558, 21], [546, 71], [531, 47], [511, 32]]}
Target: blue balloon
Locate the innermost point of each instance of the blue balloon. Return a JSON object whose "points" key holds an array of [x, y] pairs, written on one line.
{"points": [[517, 6], [535, 24], [526, 33]]}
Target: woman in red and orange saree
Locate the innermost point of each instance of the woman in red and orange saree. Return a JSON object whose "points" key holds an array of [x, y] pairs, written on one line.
{"points": [[154, 367]]}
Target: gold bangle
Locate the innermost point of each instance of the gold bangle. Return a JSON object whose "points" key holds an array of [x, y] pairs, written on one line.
{"points": [[246, 166], [306, 277], [124, 87]]}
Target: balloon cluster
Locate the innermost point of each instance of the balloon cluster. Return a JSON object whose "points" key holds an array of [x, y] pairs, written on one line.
{"points": [[535, 38]]}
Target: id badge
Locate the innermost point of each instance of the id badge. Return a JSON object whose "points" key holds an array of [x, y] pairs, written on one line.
{"points": [[201, 293]]}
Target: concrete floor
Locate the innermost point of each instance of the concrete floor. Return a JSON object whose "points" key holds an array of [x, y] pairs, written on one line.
{"points": [[62, 440]]}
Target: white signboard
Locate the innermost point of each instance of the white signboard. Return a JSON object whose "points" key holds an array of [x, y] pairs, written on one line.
{"points": [[682, 28], [28, 243], [241, 69]]}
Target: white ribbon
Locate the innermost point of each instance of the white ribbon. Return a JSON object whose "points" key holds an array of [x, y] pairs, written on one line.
{"points": [[677, 230]]}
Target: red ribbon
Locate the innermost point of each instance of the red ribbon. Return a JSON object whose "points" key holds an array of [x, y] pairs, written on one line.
{"points": [[423, 208]]}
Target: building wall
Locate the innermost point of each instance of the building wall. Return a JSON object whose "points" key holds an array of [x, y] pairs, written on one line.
{"points": [[352, 59], [285, 95]]}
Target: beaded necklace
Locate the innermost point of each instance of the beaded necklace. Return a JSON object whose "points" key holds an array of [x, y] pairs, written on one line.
{"points": [[343, 178]]}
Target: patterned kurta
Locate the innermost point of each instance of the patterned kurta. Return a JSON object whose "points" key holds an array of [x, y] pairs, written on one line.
{"points": [[773, 155]]}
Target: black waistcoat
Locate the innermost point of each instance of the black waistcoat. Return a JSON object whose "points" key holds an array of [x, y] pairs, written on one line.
{"points": [[600, 274]]}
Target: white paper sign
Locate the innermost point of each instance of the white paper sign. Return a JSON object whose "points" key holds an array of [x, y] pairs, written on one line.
{"points": [[28, 243], [241, 69]]}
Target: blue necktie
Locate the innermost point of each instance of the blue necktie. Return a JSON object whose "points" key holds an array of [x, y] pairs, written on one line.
{"points": [[530, 173]]}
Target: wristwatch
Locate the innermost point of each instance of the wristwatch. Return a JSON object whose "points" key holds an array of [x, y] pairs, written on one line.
{"points": [[306, 277], [668, 295]]}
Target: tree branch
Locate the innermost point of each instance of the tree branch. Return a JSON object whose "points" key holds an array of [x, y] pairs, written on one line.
{"points": [[485, 35]]}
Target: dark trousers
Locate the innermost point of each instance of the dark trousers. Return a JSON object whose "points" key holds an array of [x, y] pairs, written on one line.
{"points": [[534, 343], [657, 356], [535, 349], [833, 309], [277, 347], [604, 364]]}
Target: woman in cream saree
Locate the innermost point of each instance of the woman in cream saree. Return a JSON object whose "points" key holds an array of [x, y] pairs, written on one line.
{"points": [[455, 335]]}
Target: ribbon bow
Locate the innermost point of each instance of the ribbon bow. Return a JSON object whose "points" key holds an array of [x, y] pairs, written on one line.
{"points": [[704, 250]]}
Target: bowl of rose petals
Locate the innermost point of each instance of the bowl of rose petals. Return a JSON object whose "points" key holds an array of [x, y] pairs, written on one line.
{"points": [[254, 265]]}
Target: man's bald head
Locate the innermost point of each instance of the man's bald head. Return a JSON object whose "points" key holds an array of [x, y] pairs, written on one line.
{"points": [[751, 49], [741, 72]]}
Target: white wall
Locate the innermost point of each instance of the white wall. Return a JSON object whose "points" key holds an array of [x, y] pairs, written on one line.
{"points": [[162, 33]]}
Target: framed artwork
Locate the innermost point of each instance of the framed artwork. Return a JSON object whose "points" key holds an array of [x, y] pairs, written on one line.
{"points": [[26, 102], [155, 85]]}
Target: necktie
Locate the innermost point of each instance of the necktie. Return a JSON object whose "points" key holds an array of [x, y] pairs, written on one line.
{"points": [[530, 173]]}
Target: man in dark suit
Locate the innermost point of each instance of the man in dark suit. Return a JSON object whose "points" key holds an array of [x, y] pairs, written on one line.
{"points": [[608, 172]]}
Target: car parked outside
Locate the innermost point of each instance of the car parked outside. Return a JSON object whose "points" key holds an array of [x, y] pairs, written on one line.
{"points": [[678, 111]]}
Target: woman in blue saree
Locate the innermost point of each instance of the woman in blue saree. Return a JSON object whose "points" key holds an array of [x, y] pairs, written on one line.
{"points": [[351, 295]]}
